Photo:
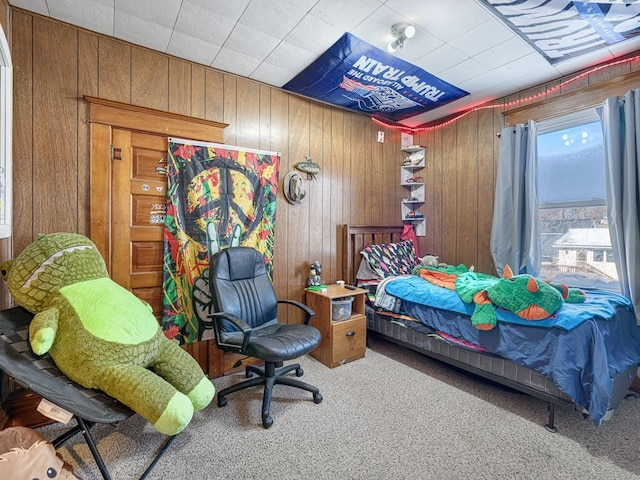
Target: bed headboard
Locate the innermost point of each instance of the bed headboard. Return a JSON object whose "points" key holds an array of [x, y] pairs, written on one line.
{"points": [[357, 237]]}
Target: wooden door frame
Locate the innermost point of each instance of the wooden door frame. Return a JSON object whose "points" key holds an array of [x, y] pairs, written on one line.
{"points": [[104, 116]]}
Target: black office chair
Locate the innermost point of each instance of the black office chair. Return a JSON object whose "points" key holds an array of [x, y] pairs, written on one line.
{"points": [[246, 322]]}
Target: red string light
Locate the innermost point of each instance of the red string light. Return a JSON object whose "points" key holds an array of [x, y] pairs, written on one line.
{"points": [[508, 104]]}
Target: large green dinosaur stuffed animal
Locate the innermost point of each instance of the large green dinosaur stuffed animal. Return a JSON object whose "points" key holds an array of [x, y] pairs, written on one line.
{"points": [[102, 336], [523, 295]]}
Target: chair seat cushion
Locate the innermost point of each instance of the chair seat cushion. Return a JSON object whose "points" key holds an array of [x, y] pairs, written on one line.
{"points": [[276, 342]]}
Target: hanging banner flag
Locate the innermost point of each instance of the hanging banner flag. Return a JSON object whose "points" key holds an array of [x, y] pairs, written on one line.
{"points": [[357, 75], [562, 30], [217, 196]]}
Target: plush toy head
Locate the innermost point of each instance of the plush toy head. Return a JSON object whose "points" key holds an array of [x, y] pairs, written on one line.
{"points": [[48, 264], [102, 336], [525, 296], [429, 261], [26, 455], [521, 294]]}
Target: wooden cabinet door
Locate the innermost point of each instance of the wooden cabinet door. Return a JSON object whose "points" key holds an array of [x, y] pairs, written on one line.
{"points": [[128, 192], [128, 201], [138, 206]]}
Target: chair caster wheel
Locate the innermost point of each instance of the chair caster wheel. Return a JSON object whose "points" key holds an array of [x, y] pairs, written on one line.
{"points": [[299, 372], [317, 398], [222, 401], [267, 422]]}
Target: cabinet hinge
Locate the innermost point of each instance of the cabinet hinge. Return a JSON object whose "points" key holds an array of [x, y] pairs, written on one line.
{"points": [[116, 153]]}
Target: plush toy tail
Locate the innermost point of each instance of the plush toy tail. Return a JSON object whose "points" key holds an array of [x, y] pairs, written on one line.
{"points": [[576, 295], [569, 294]]}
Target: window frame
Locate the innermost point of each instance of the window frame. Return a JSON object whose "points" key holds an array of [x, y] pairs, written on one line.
{"points": [[6, 120], [570, 120]]}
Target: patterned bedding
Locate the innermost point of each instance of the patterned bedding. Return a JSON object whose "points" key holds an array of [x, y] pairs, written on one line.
{"points": [[581, 349]]}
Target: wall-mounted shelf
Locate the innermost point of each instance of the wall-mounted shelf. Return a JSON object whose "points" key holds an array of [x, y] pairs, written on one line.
{"points": [[412, 179]]}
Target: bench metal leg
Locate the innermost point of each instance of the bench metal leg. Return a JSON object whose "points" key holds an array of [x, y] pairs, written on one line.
{"points": [[163, 449], [85, 427], [94, 449]]}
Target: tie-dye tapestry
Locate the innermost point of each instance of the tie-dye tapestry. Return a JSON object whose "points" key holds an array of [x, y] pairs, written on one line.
{"points": [[217, 196]]}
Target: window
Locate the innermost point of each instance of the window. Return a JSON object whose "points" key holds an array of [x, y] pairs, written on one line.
{"points": [[6, 93], [576, 246]]}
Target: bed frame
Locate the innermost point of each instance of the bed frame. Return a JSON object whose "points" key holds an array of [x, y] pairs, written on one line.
{"points": [[356, 237], [488, 366]]}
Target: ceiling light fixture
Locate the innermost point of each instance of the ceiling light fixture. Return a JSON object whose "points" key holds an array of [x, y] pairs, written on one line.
{"points": [[400, 32]]}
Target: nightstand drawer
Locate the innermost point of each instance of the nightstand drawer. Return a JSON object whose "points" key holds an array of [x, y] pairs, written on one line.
{"points": [[349, 340]]}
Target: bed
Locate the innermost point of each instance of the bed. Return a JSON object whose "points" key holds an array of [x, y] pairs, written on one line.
{"points": [[589, 364]]}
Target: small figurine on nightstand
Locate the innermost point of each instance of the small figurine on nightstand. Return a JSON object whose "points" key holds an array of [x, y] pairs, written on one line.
{"points": [[315, 269]]}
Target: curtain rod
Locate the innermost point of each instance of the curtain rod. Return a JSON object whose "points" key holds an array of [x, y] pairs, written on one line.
{"points": [[499, 133]]}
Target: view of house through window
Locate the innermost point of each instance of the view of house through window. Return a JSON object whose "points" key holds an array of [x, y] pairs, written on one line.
{"points": [[576, 245]]}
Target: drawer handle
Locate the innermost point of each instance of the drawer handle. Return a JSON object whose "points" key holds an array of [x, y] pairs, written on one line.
{"points": [[350, 334]]}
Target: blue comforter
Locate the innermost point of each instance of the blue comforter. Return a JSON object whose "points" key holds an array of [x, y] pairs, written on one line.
{"points": [[598, 304], [579, 356]]}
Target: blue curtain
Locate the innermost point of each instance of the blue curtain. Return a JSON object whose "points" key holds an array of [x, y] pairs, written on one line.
{"points": [[515, 238], [621, 129]]}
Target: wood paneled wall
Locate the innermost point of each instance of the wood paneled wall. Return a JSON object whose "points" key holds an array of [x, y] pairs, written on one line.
{"points": [[461, 161], [462, 158], [56, 64], [4, 17]]}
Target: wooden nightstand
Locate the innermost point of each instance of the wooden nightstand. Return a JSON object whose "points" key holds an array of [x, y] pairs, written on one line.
{"points": [[342, 341]]}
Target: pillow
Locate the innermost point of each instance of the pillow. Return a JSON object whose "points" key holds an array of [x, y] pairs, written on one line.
{"points": [[367, 273], [391, 259]]}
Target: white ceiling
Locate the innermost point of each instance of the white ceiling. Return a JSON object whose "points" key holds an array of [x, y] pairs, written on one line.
{"points": [[271, 41]]}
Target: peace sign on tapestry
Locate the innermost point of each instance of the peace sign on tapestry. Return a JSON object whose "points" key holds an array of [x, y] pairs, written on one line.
{"points": [[217, 196]]}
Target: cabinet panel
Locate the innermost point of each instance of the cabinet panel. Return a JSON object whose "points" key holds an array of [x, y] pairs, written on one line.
{"points": [[349, 339], [149, 164], [147, 210], [146, 256], [153, 296]]}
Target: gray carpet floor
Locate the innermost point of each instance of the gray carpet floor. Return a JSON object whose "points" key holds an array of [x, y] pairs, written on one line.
{"points": [[394, 414]]}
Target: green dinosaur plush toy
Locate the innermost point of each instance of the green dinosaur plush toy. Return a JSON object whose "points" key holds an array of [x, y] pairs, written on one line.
{"points": [[521, 294], [102, 336]]}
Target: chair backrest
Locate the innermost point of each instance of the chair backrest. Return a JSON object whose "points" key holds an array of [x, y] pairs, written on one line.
{"points": [[240, 285]]}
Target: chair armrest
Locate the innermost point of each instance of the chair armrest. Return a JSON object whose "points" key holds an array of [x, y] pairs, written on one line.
{"points": [[237, 322], [308, 313]]}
